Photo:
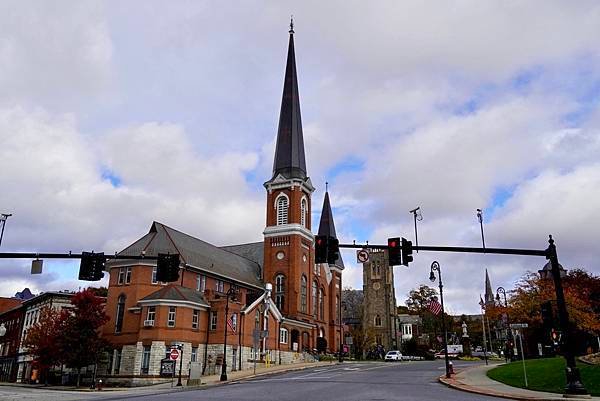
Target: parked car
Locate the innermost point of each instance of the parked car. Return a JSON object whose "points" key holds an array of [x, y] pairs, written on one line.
{"points": [[393, 356], [440, 355]]}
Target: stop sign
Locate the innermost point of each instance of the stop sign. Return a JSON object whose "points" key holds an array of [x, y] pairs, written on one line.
{"points": [[174, 354]]}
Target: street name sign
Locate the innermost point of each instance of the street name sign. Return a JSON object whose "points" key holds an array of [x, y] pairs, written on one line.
{"points": [[519, 326]]}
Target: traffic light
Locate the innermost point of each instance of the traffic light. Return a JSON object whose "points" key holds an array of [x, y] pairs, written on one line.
{"points": [[321, 248], [333, 250], [407, 251], [394, 252], [167, 267], [547, 315], [92, 266]]}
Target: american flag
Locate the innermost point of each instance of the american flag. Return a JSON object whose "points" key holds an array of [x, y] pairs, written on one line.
{"points": [[232, 322], [435, 307]]}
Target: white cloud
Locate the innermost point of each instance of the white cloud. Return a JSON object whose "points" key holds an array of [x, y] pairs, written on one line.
{"points": [[441, 106]]}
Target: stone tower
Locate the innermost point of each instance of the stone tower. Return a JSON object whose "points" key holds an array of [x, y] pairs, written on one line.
{"points": [[379, 312]]}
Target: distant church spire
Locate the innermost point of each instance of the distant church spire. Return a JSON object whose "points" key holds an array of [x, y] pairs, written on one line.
{"points": [[289, 151], [327, 226], [489, 295]]}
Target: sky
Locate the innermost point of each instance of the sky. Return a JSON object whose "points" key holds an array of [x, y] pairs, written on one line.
{"points": [[117, 114]]}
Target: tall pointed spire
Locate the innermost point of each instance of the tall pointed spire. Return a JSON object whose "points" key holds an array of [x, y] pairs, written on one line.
{"points": [[327, 226], [289, 152], [489, 295]]}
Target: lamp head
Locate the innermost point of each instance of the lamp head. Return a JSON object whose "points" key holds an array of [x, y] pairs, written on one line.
{"points": [[432, 276]]}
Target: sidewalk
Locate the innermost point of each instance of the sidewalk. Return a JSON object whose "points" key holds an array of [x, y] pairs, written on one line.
{"points": [[475, 380], [212, 380]]}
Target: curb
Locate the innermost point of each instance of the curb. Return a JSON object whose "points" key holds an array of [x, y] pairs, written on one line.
{"points": [[455, 384]]}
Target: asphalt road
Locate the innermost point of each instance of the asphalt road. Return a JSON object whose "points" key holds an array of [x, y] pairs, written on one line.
{"points": [[348, 382]]}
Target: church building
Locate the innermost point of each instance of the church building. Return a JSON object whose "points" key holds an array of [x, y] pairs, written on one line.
{"points": [[267, 301]]}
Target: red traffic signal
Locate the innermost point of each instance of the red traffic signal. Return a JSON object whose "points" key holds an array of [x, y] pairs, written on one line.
{"points": [[394, 255], [321, 245]]}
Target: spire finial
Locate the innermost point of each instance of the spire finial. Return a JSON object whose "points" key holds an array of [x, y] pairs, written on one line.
{"points": [[292, 24], [326, 186]]}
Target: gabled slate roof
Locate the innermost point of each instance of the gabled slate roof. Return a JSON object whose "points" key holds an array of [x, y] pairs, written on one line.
{"points": [[289, 151], [196, 253], [173, 292], [255, 251], [327, 226]]}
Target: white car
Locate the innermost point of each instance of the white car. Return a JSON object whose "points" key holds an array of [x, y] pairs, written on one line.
{"points": [[393, 356]]}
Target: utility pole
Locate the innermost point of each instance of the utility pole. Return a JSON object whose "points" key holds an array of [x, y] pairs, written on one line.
{"points": [[3, 218]]}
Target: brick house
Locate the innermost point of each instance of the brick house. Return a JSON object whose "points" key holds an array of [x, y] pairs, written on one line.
{"points": [[11, 324], [300, 313]]}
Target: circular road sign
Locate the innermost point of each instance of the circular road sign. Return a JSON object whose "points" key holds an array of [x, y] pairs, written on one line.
{"points": [[362, 256], [174, 354]]}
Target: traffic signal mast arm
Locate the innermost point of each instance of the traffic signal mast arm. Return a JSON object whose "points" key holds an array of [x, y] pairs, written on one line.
{"points": [[501, 251], [33, 255]]}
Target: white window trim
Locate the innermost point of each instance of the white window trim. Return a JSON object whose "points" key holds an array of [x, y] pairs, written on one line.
{"points": [[303, 211], [283, 336], [169, 320], [278, 213]]}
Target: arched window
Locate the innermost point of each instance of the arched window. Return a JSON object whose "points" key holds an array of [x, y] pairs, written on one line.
{"points": [[337, 309], [282, 210], [303, 294], [314, 298], [303, 210], [377, 320], [120, 313], [280, 291], [321, 304]]}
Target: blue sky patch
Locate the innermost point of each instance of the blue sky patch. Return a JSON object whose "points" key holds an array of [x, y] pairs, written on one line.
{"points": [[109, 175]]}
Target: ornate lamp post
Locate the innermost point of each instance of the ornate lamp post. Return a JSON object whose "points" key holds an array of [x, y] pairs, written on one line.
{"points": [[508, 344], [435, 266], [555, 271], [231, 293]]}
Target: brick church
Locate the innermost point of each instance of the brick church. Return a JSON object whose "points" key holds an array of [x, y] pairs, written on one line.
{"points": [[300, 309]]}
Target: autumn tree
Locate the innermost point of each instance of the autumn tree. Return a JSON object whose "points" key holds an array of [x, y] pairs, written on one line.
{"points": [[43, 339], [581, 291], [82, 344]]}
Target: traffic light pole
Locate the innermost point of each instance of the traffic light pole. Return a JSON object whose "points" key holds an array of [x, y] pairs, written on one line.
{"points": [[574, 384]]}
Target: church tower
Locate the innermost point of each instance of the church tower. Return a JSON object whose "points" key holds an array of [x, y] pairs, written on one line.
{"points": [[288, 240]]}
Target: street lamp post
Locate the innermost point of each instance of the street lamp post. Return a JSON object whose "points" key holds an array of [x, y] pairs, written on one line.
{"points": [[416, 216], [3, 218], [340, 357], [180, 348], [508, 344], [574, 384], [231, 293], [435, 266]]}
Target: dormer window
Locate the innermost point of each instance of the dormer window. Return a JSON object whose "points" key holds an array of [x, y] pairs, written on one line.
{"points": [[282, 205]]}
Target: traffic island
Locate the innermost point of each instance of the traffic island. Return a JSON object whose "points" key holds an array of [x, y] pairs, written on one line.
{"points": [[475, 380]]}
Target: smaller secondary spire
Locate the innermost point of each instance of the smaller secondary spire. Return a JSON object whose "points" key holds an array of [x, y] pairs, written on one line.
{"points": [[489, 296], [292, 24], [327, 226]]}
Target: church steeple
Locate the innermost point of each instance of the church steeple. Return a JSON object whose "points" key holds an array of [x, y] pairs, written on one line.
{"points": [[489, 295], [289, 152], [327, 226]]}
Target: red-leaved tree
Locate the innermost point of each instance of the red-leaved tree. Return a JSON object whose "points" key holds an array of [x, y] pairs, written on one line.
{"points": [[81, 341], [43, 340]]}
